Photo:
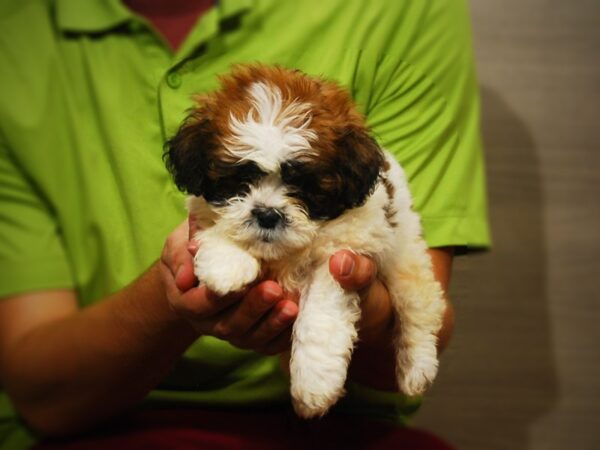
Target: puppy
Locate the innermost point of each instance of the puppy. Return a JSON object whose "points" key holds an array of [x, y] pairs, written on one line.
{"points": [[283, 173]]}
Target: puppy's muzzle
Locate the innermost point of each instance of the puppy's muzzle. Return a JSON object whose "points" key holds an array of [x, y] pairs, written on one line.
{"points": [[268, 218]]}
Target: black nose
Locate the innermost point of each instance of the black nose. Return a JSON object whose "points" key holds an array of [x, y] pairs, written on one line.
{"points": [[267, 217]]}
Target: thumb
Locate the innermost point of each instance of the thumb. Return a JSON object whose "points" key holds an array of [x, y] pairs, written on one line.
{"points": [[176, 257], [184, 275], [352, 271]]}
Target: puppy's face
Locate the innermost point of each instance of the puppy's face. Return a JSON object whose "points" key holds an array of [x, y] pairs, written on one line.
{"points": [[275, 153]]}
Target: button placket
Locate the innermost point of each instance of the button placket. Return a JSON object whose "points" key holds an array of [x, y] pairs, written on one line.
{"points": [[173, 102]]}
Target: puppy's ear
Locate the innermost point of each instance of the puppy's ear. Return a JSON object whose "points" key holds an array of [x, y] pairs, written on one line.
{"points": [[188, 153], [360, 160]]}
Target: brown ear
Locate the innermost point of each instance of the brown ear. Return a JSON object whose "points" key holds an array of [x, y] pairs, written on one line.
{"points": [[340, 178], [188, 153], [360, 160]]}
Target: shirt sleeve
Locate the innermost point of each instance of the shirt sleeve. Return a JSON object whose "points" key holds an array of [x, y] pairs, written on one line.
{"points": [[32, 256], [425, 111]]}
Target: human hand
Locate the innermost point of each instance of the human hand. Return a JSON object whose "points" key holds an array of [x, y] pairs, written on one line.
{"points": [[259, 318]]}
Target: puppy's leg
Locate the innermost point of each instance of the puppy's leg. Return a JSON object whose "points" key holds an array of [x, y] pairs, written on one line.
{"points": [[222, 265], [323, 339], [419, 306]]}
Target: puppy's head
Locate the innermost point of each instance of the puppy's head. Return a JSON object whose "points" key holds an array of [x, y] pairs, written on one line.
{"points": [[275, 152]]}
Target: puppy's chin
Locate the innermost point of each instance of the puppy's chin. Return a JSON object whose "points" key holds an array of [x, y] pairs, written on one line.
{"points": [[271, 245], [268, 251]]}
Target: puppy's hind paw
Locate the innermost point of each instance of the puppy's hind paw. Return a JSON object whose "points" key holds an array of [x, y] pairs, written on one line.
{"points": [[316, 387], [313, 406], [416, 379]]}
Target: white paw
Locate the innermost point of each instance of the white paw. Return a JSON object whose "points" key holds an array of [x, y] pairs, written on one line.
{"points": [[313, 394], [226, 272], [317, 380], [416, 379], [314, 405]]}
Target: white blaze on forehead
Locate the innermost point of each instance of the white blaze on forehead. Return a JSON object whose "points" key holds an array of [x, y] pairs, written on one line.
{"points": [[270, 133]]}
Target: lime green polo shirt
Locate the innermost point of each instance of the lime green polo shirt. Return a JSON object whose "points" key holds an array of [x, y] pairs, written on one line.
{"points": [[89, 92]]}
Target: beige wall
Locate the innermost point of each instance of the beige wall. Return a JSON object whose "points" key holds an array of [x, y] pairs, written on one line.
{"points": [[523, 371]]}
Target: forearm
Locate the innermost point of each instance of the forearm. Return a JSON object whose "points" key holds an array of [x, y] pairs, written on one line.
{"points": [[67, 374]]}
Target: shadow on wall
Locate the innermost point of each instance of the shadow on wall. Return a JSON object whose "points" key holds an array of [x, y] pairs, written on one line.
{"points": [[498, 376]]}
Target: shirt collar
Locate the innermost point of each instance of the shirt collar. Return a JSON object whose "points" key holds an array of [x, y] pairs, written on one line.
{"points": [[90, 15], [102, 15]]}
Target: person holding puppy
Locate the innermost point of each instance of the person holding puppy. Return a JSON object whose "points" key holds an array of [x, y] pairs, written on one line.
{"points": [[100, 309]]}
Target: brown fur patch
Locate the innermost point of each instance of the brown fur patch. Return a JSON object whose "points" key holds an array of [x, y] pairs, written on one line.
{"points": [[332, 107], [342, 171]]}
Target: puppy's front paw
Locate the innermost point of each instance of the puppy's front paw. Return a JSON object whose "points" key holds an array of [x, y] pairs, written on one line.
{"points": [[226, 272]]}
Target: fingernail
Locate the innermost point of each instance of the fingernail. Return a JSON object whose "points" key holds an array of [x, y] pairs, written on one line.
{"points": [[273, 293], [192, 248], [346, 265], [287, 312]]}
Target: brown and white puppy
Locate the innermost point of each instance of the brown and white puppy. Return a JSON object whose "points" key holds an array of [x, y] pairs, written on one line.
{"points": [[283, 173]]}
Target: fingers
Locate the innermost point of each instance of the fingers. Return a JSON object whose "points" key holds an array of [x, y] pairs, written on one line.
{"points": [[274, 334], [256, 303], [352, 271], [262, 321], [177, 259], [199, 304]]}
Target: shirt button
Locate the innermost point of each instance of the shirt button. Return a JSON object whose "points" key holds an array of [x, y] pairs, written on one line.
{"points": [[174, 80]]}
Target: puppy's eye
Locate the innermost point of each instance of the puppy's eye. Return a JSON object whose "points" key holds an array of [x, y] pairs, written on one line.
{"points": [[292, 173], [249, 172], [232, 181], [224, 188], [320, 189]]}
